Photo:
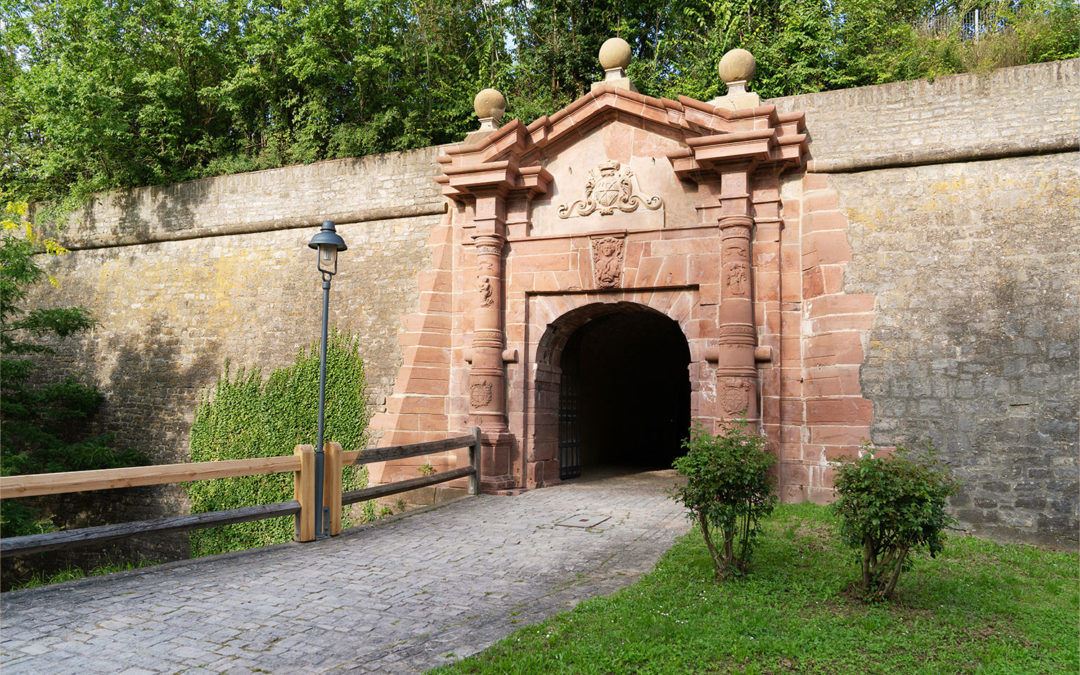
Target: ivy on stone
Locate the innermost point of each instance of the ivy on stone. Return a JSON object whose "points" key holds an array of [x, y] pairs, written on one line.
{"points": [[242, 417]]}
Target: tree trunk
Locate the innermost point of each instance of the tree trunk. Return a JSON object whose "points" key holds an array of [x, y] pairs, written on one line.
{"points": [[708, 542]]}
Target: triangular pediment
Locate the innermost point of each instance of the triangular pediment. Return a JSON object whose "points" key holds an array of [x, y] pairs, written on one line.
{"points": [[510, 156]]}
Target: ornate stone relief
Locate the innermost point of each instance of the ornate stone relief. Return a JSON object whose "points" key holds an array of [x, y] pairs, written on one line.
{"points": [[734, 396], [607, 257], [609, 188], [480, 394], [484, 275], [487, 293], [738, 277]]}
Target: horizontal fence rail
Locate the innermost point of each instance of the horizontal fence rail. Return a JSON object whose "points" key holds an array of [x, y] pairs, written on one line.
{"points": [[38, 484], [37, 543], [301, 462]]}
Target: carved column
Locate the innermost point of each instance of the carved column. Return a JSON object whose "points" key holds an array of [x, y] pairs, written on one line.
{"points": [[487, 376], [736, 374]]}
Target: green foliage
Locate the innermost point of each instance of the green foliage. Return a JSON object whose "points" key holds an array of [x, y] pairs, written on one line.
{"points": [[70, 573], [978, 607], [242, 417], [728, 488], [42, 424], [890, 506], [96, 96]]}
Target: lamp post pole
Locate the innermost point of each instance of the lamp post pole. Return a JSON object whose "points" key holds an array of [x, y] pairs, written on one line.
{"points": [[328, 243]]}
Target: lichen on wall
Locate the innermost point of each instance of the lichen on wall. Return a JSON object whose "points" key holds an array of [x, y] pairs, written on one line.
{"points": [[975, 343]]}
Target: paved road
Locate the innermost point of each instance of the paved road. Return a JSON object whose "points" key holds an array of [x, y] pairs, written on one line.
{"points": [[402, 595]]}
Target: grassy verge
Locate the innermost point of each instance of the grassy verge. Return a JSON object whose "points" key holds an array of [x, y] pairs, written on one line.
{"points": [[979, 606], [71, 573]]}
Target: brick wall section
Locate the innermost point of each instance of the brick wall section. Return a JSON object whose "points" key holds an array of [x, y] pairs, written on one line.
{"points": [[821, 414], [347, 190]]}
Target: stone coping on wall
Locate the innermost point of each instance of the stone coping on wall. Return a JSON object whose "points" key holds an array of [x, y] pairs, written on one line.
{"points": [[1023, 110], [350, 190]]}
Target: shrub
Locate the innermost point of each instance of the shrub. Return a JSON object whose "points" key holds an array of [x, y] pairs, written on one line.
{"points": [[890, 506], [728, 489], [243, 417], [45, 419]]}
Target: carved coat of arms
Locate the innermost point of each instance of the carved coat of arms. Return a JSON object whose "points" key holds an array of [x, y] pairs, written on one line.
{"points": [[607, 257], [609, 188], [735, 397], [480, 394]]}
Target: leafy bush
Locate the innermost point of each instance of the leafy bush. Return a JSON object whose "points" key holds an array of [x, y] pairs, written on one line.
{"points": [[43, 424], [728, 488], [889, 506], [243, 417]]}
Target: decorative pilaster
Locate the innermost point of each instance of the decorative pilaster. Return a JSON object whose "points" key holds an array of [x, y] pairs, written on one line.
{"points": [[487, 374], [736, 373]]}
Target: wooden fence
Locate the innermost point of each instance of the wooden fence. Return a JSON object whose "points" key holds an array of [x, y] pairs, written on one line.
{"points": [[301, 463]]}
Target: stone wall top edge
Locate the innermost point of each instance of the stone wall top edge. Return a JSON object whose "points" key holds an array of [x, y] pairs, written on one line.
{"points": [[1022, 81], [319, 167], [393, 184]]}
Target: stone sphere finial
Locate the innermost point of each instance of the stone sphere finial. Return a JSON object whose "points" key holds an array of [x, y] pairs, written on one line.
{"points": [[489, 104], [615, 53], [737, 65]]}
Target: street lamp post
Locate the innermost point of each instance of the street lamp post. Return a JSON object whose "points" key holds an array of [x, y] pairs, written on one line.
{"points": [[328, 243]]}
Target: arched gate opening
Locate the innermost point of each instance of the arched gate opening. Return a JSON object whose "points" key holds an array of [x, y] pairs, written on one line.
{"points": [[624, 392]]}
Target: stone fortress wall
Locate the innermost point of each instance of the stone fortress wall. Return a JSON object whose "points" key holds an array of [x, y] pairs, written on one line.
{"points": [[962, 202], [935, 275]]}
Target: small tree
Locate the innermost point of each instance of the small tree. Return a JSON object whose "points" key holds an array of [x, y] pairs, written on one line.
{"points": [[727, 489], [888, 506]]}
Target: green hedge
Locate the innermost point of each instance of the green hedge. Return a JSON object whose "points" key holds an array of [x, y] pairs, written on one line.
{"points": [[243, 416]]}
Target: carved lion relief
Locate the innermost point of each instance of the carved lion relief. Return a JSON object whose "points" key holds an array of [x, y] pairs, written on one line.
{"points": [[609, 188], [607, 257]]}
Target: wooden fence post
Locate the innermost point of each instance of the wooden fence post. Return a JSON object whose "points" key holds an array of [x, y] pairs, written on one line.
{"points": [[332, 486], [474, 462], [304, 491]]}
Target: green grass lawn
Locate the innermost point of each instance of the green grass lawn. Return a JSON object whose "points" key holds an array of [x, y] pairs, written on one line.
{"points": [[979, 607]]}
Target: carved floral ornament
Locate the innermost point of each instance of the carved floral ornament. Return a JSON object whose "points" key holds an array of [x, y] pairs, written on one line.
{"points": [[607, 257], [609, 188]]}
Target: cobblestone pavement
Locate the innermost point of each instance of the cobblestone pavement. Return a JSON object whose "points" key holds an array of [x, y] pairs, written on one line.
{"points": [[402, 595]]}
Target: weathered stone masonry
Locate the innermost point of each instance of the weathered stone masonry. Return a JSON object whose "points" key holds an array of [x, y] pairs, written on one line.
{"points": [[915, 279]]}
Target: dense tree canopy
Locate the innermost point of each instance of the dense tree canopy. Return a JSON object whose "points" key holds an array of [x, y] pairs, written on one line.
{"points": [[100, 94]]}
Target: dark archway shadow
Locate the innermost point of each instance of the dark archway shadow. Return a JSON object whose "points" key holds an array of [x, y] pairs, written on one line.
{"points": [[624, 394]]}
